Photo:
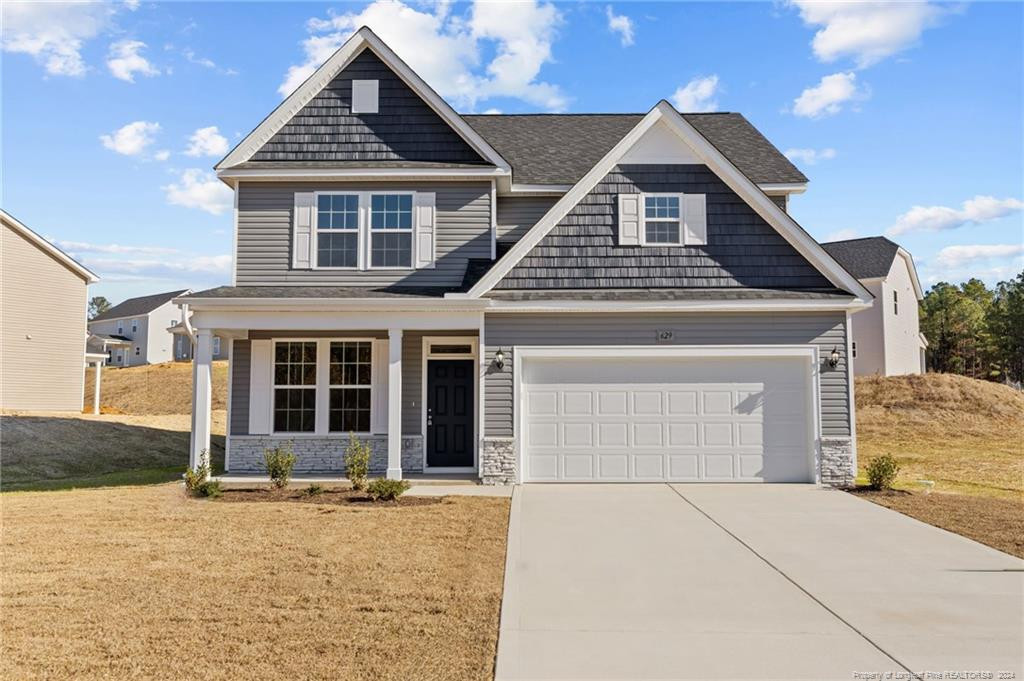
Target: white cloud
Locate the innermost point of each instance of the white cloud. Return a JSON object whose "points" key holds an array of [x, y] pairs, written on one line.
{"points": [[132, 5], [86, 247], [197, 188], [124, 61], [868, 32], [206, 62], [961, 256], [697, 95], [132, 139], [621, 24], [492, 112], [940, 218], [207, 142], [841, 235], [810, 156], [828, 96], [445, 50], [53, 32], [162, 155], [188, 264]]}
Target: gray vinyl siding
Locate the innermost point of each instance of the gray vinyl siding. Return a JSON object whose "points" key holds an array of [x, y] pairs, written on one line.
{"points": [[404, 129], [825, 330], [412, 372], [582, 250], [264, 256], [241, 354], [517, 214]]}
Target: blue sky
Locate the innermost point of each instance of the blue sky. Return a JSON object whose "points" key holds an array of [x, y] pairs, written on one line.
{"points": [[907, 118]]}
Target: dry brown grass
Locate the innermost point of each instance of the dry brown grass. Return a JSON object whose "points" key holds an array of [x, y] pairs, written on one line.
{"points": [[154, 389], [999, 523], [964, 434], [142, 583]]}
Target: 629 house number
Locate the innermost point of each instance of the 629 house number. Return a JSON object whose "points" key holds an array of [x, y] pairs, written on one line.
{"points": [[665, 336]]}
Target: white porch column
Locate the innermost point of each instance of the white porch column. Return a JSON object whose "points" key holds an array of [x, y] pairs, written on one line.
{"points": [[96, 389], [202, 399], [394, 404]]}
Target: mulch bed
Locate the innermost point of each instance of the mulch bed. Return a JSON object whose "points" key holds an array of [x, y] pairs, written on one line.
{"points": [[998, 523], [337, 497]]}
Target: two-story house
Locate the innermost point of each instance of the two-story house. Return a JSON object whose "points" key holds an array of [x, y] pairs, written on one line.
{"points": [[135, 331], [527, 298], [887, 338]]}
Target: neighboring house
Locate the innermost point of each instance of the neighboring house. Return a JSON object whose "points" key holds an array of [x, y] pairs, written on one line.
{"points": [[887, 339], [143, 322], [183, 349], [525, 298], [43, 300]]}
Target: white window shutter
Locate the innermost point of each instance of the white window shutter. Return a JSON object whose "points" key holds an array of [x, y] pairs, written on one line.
{"points": [[426, 228], [379, 389], [261, 386], [695, 216], [629, 219], [302, 218]]}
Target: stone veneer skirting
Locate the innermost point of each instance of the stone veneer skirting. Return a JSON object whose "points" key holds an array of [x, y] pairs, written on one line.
{"points": [[498, 461], [837, 461], [321, 454]]}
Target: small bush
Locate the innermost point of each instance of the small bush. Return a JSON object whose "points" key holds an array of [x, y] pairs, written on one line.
{"points": [[383, 489], [279, 461], [210, 489], [357, 462], [195, 478], [882, 471], [314, 490]]}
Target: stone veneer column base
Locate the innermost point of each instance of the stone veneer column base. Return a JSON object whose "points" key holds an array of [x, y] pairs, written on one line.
{"points": [[837, 462], [498, 461], [322, 454]]}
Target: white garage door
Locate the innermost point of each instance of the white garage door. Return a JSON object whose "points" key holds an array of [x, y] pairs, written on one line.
{"points": [[667, 419]]}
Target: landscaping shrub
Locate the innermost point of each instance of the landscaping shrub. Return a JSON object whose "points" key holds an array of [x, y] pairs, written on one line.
{"points": [[882, 471], [210, 489], [314, 490], [383, 489], [197, 483], [279, 461], [357, 462]]}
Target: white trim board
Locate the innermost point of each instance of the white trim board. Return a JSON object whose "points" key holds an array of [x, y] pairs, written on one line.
{"points": [[522, 354], [472, 356], [718, 163], [362, 39]]}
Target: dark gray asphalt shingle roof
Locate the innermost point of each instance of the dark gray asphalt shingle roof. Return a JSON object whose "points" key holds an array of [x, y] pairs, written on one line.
{"points": [[137, 306], [866, 258], [670, 294], [561, 148]]}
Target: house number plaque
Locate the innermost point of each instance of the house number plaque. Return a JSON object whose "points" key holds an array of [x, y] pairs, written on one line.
{"points": [[665, 336]]}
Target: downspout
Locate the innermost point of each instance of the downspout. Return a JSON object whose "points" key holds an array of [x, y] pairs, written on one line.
{"points": [[187, 323]]}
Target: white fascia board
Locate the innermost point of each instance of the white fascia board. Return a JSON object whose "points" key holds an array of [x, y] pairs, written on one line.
{"points": [[364, 38], [62, 257], [720, 165], [332, 304], [518, 188], [778, 305], [287, 321], [272, 174], [909, 260], [776, 188]]}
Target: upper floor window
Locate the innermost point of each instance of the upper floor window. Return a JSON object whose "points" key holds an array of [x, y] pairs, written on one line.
{"points": [[895, 302], [135, 326], [853, 344], [376, 229], [662, 220], [120, 328]]}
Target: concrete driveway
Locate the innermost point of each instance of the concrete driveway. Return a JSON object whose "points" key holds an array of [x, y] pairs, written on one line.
{"points": [[746, 581]]}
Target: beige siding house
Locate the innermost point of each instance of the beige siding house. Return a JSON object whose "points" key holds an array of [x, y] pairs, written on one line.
{"points": [[43, 299]]}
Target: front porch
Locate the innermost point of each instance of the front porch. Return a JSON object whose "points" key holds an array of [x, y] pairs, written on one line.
{"points": [[412, 392]]}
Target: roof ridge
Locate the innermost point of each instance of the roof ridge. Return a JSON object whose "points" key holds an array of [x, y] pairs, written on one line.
{"points": [[861, 238], [597, 113]]}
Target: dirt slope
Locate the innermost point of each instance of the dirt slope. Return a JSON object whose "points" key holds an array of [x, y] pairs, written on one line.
{"points": [[155, 389]]}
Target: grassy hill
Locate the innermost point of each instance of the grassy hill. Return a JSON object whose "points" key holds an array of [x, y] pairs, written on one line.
{"points": [[154, 389], [961, 433]]}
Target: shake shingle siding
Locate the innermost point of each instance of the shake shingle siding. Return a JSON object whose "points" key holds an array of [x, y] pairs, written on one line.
{"points": [[582, 250], [265, 240], [405, 129]]}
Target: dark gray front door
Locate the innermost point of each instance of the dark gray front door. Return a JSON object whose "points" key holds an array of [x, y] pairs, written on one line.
{"points": [[450, 413]]}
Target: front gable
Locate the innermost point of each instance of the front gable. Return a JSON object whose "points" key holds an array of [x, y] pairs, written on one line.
{"points": [[404, 129]]}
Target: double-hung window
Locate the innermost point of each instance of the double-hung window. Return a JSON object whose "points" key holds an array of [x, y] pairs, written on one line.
{"points": [[663, 219], [337, 230], [350, 386], [364, 230], [295, 386], [895, 302]]}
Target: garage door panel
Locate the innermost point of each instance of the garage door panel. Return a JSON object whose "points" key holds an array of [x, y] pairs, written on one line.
{"points": [[719, 421]]}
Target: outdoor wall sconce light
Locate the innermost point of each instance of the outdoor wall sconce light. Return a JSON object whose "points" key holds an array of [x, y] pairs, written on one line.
{"points": [[499, 359], [833, 358]]}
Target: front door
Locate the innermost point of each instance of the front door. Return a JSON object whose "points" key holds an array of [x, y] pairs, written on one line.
{"points": [[450, 413]]}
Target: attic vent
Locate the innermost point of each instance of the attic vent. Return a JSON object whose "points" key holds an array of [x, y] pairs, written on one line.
{"points": [[364, 96]]}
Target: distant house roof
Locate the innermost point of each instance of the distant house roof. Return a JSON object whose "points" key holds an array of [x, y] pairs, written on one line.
{"points": [[138, 306], [562, 148], [867, 258], [44, 245]]}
